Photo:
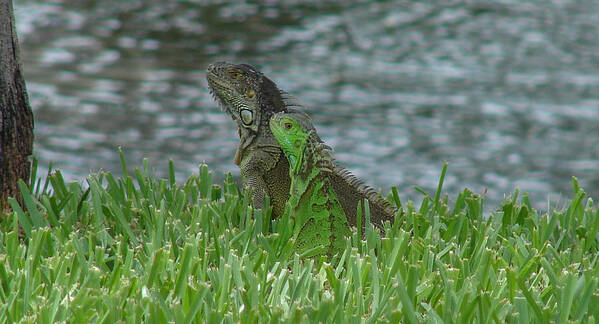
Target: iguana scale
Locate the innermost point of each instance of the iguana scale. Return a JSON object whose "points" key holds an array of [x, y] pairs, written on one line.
{"points": [[250, 98]]}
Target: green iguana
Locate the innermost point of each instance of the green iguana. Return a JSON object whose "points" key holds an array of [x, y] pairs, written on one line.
{"points": [[313, 204], [250, 98]]}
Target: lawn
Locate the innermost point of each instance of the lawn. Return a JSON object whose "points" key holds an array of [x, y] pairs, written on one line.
{"points": [[143, 249]]}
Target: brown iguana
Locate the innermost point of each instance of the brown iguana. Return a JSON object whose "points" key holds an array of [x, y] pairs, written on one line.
{"points": [[251, 98]]}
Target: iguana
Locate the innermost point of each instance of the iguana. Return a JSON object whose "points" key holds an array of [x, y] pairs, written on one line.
{"points": [[250, 98], [313, 204]]}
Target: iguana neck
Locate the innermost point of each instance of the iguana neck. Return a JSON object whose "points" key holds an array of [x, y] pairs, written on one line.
{"points": [[310, 166], [269, 102]]}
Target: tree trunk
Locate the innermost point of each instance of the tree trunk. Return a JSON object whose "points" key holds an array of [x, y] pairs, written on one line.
{"points": [[16, 118]]}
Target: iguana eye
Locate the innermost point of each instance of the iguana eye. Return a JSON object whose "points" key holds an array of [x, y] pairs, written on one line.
{"points": [[247, 116], [288, 126], [250, 93], [234, 74]]}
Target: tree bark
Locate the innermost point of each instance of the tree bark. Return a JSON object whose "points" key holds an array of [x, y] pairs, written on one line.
{"points": [[16, 118]]}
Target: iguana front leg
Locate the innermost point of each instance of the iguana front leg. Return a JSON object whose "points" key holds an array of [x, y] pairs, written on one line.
{"points": [[255, 185], [251, 172], [263, 173]]}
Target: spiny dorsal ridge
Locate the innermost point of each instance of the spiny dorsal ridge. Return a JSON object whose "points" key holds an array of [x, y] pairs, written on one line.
{"points": [[287, 95], [368, 192], [290, 101]]}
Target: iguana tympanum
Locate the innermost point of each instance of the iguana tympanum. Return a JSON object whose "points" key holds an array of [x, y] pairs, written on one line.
{"points": [[320, 221], [250, 98]]}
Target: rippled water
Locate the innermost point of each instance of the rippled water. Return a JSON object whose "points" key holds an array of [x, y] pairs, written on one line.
{"points": [[507, 92]]}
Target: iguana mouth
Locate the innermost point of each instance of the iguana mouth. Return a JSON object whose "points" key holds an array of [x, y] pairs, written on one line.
{"points": [[217, 88], [213, 79]]}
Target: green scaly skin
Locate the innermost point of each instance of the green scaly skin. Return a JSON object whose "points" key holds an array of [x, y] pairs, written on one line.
{"points": [[250, 98], [320, 221]]}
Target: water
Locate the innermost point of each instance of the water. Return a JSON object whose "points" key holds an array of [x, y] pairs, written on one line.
{"points": [[507, 92]]}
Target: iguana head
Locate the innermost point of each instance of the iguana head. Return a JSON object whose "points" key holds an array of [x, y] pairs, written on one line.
{"points": [[299, 141], [249, 97]]}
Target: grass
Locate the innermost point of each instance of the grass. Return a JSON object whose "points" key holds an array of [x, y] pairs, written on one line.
{"points": [[141, 249]]}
